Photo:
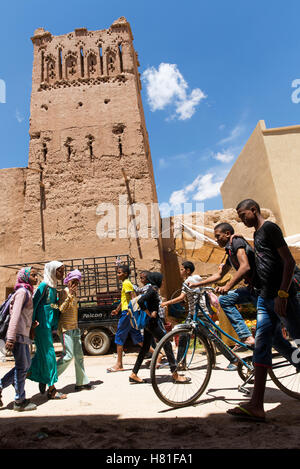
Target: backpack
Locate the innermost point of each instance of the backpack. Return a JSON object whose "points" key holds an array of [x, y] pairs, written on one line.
{"points": [[248, 250], [5, 313], [138, 318], [253, 281]]}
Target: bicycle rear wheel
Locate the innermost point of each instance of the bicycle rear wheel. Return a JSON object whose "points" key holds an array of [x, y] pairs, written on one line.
{"points": [[245, 373], [194, 359], [285, 376]]}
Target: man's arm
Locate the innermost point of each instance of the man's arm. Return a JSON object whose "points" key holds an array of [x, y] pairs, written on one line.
{"points": [[239, 274], [276, 239], [117, 310], [178, 299], [287, 277], [223, 270]]}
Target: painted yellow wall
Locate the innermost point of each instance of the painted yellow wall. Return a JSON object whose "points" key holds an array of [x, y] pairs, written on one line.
{"points": [[283, 147], [268, 171]]}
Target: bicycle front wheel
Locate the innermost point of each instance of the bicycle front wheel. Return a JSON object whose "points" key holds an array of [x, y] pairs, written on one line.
{"points": [[193, 360], [285, 376]]}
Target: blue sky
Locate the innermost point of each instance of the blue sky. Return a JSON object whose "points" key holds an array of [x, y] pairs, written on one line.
{"points": [[210, 71]]}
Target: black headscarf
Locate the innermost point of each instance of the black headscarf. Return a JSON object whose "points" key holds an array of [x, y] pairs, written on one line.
{"points": [[155, 279]]}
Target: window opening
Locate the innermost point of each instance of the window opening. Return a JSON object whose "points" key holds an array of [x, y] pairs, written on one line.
{"points": [[101, 60], [82, 62], [121, 57], [60, 63], [45, 151], [42, 65]]}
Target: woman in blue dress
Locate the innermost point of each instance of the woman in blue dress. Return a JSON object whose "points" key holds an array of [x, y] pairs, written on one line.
{"points": [[43, 366]]}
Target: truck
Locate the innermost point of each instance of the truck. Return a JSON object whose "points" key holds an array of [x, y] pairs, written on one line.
{"points": [[99, 294]]}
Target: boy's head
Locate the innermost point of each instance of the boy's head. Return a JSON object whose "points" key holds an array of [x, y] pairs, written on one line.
{"points": [[223, 233], [123, 272], [74, 282], [73, 278], [186, 269], [248, 210], [143, 277], [33, 279]]}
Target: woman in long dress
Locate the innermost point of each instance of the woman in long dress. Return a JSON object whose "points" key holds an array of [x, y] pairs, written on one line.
{"points": [[43, 367]]}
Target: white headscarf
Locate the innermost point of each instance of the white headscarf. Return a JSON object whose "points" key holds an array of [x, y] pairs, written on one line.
{"points": [[50, 273]]}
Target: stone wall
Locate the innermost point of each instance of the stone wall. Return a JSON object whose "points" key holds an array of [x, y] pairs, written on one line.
{"points": [[12, 190]]}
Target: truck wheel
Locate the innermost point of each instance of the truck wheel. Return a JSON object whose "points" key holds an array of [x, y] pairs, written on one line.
{"points": [[96, 342]]}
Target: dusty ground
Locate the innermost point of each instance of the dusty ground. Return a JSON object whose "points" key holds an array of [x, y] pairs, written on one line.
{"points": [[117, 415]]}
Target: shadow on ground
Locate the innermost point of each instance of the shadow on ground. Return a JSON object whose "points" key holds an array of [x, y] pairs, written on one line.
{"points": [[218, 431]]}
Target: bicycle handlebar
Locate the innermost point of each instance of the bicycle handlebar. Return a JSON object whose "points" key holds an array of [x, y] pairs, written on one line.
{"points": [[201, 288]]}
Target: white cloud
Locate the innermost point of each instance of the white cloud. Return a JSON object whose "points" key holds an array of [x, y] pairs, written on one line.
{"points": [[166, 86], [178, 198], [203, 187], [187, 107], [234, 134], [162, 163], [19, 117], [180, 158], [207, 188], [224, 156]]}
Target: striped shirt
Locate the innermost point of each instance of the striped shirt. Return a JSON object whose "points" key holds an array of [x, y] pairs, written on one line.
{"points": [[194, 296]]}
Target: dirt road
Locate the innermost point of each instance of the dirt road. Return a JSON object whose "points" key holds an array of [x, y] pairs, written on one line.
{"points": [[117, 414]]}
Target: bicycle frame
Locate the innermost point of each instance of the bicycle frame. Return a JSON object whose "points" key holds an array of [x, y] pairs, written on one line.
{"points": [[208, 327]]}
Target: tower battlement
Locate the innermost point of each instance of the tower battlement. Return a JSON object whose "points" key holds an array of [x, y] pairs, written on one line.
{"points": [[83, 57]]}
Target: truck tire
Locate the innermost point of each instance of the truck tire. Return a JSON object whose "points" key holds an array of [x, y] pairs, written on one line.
{"points": [[96, 342]]}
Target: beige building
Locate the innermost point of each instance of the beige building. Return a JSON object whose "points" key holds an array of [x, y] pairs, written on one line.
{"points": [[268, 171]]}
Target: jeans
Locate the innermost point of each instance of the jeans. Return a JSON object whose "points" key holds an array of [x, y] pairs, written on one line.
{"points": [[72, 348], [17, 375], [228, 304], [268, 331], [154, 329]]}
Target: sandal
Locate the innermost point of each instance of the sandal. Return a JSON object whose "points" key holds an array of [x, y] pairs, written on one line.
{"points": [[135, 381], [243, 413], [186, 381], [55, 394], [112, 370]]}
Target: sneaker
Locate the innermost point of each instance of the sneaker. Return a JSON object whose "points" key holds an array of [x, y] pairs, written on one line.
{"points": [[88, 387], [25, 405], [231, 367]]}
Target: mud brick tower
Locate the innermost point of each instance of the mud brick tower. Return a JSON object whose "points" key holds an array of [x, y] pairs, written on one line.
{"points": [[88, 145], [87, 138]]}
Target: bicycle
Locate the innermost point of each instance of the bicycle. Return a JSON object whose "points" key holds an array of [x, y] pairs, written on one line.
{"points": [[197, 341]]}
